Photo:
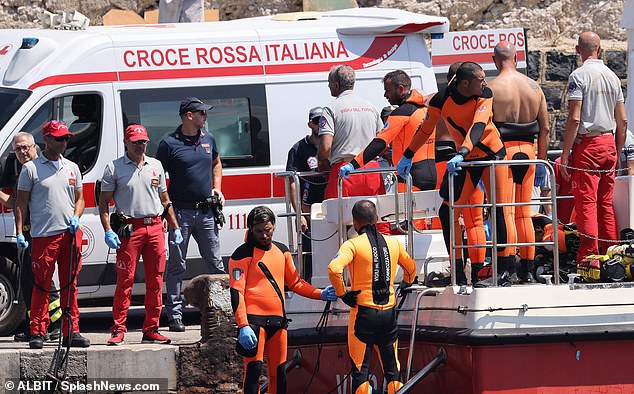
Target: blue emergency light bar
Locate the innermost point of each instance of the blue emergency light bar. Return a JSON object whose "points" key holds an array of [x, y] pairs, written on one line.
{"points": [[29, 42]]}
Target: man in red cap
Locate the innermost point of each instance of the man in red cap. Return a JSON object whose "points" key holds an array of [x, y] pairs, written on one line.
{"points": [[53, 184], [137, 184]]}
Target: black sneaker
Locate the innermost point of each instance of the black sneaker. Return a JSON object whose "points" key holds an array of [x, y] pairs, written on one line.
{"points": [[76, 340], [176, 325], [37, 341]]}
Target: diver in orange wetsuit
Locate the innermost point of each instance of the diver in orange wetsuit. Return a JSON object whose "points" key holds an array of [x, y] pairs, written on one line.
{"points": [[399, 129], [466, 107], [473, 218], [371, 259], [259, 270]]}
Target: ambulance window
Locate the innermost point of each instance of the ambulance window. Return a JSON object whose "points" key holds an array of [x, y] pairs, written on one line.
{"points": [[10, 101], [237, 120], [82, 114]]}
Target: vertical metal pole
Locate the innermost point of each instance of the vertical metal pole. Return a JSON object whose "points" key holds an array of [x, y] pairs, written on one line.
{"points": [[553, 201], [452, 237], [289, 223], [409, 204], [493, 224], [342, 226], [298, 227]]}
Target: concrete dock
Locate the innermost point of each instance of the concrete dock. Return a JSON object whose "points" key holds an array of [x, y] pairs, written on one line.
{"points": [[130, 362]]}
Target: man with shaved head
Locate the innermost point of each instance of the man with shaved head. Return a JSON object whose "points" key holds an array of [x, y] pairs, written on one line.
{"points": [[595, 133], [520, 113]]}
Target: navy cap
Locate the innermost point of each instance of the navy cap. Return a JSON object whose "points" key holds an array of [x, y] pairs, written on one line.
{"points": [[315, 112], [192, 104]]}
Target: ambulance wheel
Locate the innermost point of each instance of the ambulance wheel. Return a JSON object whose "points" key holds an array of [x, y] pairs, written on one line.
{"points": [[11, 313]]}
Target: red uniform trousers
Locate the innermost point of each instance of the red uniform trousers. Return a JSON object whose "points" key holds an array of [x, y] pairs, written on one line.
{"points": [[593, 194], [46, 251], [148, 241], [355, 185]]}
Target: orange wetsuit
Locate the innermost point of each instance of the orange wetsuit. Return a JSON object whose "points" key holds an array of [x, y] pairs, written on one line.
{"points": [[256, 303], [470, 123], [398, 131], [519, 140], [371, 260], [473, 217]]}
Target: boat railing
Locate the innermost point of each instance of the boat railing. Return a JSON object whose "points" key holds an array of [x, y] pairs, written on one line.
{"points": [[405, 206], [422, 291], [493, 203], [296, 215]]}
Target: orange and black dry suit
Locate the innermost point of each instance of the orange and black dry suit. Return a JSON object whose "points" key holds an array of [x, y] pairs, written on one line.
{"points": [[398, 131], [519, 140], [473, 217], [470, 123], [371, 259], [256, 303]]}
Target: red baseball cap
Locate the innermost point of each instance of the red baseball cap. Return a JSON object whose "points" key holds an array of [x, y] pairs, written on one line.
{"points": [[55, 128], [136, 132]]}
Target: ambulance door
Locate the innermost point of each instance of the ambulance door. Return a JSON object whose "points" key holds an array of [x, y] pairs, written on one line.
{"points": [[88, 112]]}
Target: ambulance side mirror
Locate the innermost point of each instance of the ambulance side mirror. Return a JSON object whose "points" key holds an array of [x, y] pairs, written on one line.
{"points": [[9, 171]]}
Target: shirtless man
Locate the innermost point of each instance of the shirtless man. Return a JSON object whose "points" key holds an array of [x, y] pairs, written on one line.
{"points": [[519, 112]]}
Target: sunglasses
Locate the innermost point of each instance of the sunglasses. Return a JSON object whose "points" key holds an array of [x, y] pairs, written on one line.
{"points": [[315, 120], [140, 142], [23, 148], [64, 138]]}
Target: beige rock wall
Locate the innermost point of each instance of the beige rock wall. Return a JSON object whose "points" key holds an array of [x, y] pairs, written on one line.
{"points": [[549, 22]]}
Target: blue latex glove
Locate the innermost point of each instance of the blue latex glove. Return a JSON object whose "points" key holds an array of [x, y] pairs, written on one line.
{"points": [[247, 338], [74, 224], [345, 170], [404, 166], [540, 175], [112, 239], [453, 165], [328, 294], [22, 243], [178, 237]]}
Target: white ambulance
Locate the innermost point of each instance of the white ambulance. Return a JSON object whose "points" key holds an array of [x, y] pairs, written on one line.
{"points": [[261, 75]]}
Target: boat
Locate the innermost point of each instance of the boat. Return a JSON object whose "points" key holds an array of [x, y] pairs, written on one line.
{"points": [[561, 337]]}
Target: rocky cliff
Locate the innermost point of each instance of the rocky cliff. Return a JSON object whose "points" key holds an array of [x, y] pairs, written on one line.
{"points": [[549, 22]]}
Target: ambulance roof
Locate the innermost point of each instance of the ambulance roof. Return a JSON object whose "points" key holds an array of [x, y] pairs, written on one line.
{"points": [[34, 57]]}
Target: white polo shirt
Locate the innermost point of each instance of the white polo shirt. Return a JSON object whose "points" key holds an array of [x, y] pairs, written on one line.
{"points": [[600, 90], [136, 190], [353, 122], [52, 198]]}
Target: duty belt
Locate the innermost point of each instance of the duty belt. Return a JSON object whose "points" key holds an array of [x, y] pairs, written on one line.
{"points": [[147, 221], [191, 205]]}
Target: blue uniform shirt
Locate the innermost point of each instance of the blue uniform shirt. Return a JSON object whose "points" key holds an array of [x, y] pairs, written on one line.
{"points": [[188, 162], [302, 157]]}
